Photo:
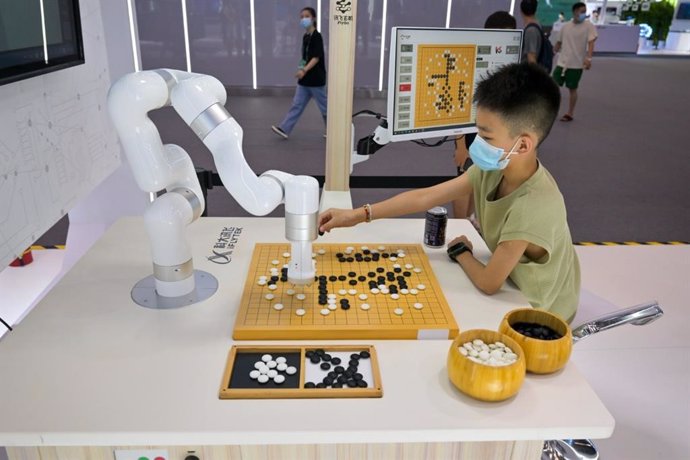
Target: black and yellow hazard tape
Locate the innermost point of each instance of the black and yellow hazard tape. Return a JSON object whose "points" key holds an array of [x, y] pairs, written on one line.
{"points": [[632, 243], [37, 247]]}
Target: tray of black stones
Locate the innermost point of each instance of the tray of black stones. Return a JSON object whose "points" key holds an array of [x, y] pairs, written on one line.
{"points": [[333, 371]]}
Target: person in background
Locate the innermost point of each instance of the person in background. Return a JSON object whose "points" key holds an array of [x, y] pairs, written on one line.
{"points": [[533, 36], [556, 29], [522, 212], [462, 207], [575, 47], [311, 75]]}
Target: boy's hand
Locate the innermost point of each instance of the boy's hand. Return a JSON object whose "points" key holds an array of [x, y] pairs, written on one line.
{"points": [[462, 239], [335, 218]]}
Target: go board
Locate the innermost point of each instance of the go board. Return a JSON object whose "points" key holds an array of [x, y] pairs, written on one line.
{"points": [[368, 291], [445, 75], [279, 371]]}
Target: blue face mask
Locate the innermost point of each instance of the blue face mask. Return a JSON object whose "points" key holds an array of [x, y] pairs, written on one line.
{"points": [[581, 17], [487, 157], [306, 22]]}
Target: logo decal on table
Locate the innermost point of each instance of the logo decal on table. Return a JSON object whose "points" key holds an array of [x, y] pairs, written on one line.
{"points": [[225, 245]]}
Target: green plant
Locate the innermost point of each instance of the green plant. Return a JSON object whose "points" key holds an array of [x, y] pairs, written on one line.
{"points": [[659, 17]]}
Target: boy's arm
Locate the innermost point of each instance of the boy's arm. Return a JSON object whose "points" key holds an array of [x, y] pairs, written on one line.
{"points": [[400, 205], [490, 277]]}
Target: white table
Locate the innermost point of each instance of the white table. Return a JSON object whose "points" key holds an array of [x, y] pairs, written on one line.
{"points": [[90, 368]]}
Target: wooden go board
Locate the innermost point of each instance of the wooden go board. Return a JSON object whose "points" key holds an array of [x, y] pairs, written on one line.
{"points": [[238, 384], [445, 82], [269, 309]]}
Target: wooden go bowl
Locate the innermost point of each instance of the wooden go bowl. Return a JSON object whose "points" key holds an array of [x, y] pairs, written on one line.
{"points": [[543, 356], [480, 381]]}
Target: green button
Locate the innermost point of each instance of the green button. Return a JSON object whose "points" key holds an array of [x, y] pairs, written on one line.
{"points": [[143, 458]]}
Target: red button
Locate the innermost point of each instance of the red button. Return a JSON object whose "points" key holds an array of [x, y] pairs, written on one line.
{"points": [[159, 458], [405, 87]]}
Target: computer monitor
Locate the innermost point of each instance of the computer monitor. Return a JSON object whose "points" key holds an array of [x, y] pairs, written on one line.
{"points": [[432, 75]]}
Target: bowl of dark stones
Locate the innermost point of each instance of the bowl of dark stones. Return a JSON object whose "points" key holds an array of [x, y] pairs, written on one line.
{"points": [[544, 337]]}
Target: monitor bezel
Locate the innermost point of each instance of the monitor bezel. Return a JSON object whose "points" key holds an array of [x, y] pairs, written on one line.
{"points": [[392, 78]]}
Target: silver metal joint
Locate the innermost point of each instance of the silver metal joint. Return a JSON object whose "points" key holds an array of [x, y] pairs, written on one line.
{"points": [[192, 198], [209, 119], [173, 272], [301, 227], [169, 81]]}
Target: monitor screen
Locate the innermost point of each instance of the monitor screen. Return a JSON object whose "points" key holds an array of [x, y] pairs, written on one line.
{"points": [[683, 11], [432, 75], [37, 37]]}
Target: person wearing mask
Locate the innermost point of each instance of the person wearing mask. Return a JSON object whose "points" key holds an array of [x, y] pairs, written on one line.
{"points": [[311, 75], [462, 206], [575, 47]]}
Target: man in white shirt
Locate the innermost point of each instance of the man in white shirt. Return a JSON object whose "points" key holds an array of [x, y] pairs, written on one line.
{"points": [[575, 47]]}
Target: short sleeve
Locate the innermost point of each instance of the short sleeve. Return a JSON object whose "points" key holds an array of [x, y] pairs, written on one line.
{"points": [[316, 47], [592, 33], [473, 175], [532, 227], [532, 39]]}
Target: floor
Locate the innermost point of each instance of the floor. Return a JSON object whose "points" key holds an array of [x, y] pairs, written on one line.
{"points": [[621, 165]]}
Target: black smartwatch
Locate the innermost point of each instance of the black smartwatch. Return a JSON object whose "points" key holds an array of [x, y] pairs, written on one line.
{"points": [[457, 249]]}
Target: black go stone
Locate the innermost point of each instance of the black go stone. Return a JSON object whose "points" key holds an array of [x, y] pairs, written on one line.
{"points": [[309, 353], [380, 269], [362, 384], [338, 369], [320, 351], [345, 306], [385, 255], [310, 385], [353, 282], [352, 383], [350, 259], [332, 375], [358, 376], [328, 381], [339, 255], [326, 357], [337, 385], [321, 385], [367, 251], [283, 279], [342, 278], [344, 301], [397, 270], [323, 301], [336, 360], [274, 278], [389, 274], [364, 355], [325, 366], [367, 259], [352, 274], [316, 359], [342, 260], [348, 373], [342, 379], [354, 356], [322, 278], [362, 278], [354, 362], [332, 278], [371, 274]]}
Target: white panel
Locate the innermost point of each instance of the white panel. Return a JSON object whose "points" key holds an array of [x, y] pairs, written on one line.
{"points": [[56, 142]]}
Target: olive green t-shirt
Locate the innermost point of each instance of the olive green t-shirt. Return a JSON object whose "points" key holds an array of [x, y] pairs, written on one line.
{"points": [[534, 212]]}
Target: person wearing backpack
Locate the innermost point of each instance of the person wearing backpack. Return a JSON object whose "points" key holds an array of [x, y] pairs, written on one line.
{"points": [[536, 48]]}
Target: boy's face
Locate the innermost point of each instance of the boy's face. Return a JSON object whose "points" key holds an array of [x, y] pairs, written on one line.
{"points": [[494, 130]]}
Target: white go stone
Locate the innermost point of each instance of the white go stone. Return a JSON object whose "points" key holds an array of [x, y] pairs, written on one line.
{"points": [[270, 296], [272, 374], [279, 379], [254, 374], [300, 312], [382, 286], [263, 378], [342, 292], [421, 287], [399, 311], [291, 370], [281, 359], [300, 297], [313, 255], [477, 342], [332, 301], [322, 251], [278, 306], [290, 292], [409, 266], [417, 270], [264, 370], [484, 355], [385, 291], [325, 311], [271, 364], [395, 296], [275, 261], [332, 296], [401, 255], [381, 248], [404, 291], [491, 354], [262, 282], [266, 358], [365, 306], [396, 266], [281, 367], [286, 266], [474, 352], [365, 248], [418, 306], [467, 345], [272, 287], [352, 292], [259, 364], [349, 249], [392, 258], [332, 307], [363, 297], [286, 254], [463, 351], [413, 291], [375, 290]]}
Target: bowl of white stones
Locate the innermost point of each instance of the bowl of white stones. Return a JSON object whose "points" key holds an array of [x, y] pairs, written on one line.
{"points": [[486, 365]]}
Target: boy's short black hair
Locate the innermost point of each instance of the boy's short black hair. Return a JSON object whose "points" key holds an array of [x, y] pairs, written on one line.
{"points": [[500, 20], [578, 5], [524, 95], [528, 7]]}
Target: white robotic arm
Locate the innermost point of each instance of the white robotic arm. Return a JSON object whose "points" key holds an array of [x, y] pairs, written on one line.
{"points": [[199, 100]]}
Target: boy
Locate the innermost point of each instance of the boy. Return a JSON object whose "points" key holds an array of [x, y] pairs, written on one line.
{"points": [[520, 209]]}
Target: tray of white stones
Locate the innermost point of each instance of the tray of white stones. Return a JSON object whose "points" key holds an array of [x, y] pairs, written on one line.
{"points": [[324, 371]]}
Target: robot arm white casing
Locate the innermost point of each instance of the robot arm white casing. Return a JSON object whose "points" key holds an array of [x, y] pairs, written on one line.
{"points": [[199, 100]]}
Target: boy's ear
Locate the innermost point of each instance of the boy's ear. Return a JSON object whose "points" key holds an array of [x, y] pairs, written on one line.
{"points": [[528, 143]]}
